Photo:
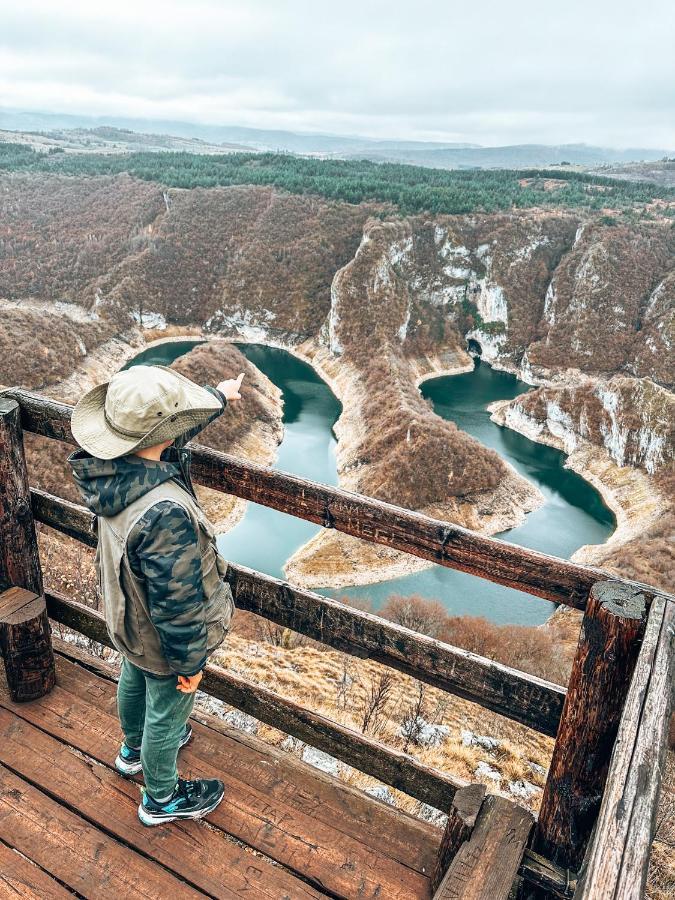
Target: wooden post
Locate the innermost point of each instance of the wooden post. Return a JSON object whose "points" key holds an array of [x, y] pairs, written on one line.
{"points": [[25, 635], [608, 649], [462, 817], [19, 558], [25, 644]]}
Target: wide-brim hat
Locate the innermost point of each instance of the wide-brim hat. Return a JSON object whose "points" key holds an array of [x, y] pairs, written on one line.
{"points": [[139, 407]]}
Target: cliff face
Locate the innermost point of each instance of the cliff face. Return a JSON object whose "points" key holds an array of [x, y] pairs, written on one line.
{"points": [[632, 420], [539, 291], [609, 306]]}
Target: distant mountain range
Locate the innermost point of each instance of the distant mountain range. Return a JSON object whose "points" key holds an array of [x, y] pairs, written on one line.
{"points": [[162, 135]]}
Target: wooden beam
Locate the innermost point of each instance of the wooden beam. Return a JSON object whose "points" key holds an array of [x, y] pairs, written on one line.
{"points": [[19, 877], [608, 648], [75, 852], [25, 639], [517, 695], [392, 767], [486, 865], [69, 518], [382, 523], [542, 873], [499, 688], [462, 817], [617, 861]]}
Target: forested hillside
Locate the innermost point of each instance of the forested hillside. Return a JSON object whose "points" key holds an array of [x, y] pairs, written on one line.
{"points": [[411, 189]]}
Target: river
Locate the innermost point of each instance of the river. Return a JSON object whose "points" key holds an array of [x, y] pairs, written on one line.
{"points": [[573, 514]]}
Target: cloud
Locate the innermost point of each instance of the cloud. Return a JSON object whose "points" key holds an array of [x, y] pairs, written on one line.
{"points": [[490, 72]]}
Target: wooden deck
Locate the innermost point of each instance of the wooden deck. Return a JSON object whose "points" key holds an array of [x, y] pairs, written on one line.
{"points": [[68, 823]]}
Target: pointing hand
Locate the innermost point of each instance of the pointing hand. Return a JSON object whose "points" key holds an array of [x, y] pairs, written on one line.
{"points": [[230, 387]]}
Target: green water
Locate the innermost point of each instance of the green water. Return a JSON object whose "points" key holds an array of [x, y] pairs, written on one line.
{"points": [[573, 514], [163, 354], [265, 538]]}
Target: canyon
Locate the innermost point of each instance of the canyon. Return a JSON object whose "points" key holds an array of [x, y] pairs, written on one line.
{"points": [[574, 304]]}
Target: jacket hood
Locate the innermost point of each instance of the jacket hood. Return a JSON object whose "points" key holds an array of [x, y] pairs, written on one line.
{"points": [[109, 485]]}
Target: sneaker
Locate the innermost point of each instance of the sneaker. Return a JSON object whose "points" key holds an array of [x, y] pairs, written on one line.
{"points": [[190, 800], [128, 760]]}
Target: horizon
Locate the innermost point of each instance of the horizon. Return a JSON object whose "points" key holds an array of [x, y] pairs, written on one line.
{"points": [[110, 121]]}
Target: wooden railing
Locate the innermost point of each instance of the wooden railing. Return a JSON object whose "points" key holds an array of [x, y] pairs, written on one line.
{"points": [[586, 717]]}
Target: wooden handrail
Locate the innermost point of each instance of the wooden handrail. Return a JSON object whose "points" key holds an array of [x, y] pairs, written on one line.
{"points": [[517, 695], [373, 520]]}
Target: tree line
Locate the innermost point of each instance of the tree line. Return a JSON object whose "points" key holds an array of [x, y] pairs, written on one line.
{"points": [[410, 189]]}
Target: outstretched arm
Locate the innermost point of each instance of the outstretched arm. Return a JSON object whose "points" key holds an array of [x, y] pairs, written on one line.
{"points": [[226, 390]]}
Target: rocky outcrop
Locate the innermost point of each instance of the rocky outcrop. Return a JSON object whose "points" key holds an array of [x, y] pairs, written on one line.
{"points": [[632, 420], [609, 306]]}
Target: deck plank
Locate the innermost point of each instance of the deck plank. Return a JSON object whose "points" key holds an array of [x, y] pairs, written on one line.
{"points": [[19, 877], [331, 859], [344, 808], [74, 851], [197, 854]]}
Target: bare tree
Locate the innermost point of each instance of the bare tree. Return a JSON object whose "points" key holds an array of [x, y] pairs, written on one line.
{"points": [[413, 721], [378, 695]]}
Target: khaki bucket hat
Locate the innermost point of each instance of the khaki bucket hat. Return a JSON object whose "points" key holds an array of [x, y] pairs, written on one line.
{"points": [[139, 407]]}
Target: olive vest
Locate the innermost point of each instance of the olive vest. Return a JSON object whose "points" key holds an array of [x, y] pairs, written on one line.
{"points": [[125, 603]]}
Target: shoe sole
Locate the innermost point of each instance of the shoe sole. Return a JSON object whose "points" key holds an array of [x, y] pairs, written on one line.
{"points": [[149, 820], [128, 770]]}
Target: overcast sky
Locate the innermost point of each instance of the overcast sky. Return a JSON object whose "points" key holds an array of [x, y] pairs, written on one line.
{"points": [[599, 71]]}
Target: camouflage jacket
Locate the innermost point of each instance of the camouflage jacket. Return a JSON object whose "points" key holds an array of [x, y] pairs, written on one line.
{"points": [[163, 547]]}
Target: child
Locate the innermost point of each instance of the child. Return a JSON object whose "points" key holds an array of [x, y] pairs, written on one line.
{"points": [[167, 606]]}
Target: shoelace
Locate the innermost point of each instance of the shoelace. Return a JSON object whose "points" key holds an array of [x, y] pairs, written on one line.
{"points": [[188, 789]]}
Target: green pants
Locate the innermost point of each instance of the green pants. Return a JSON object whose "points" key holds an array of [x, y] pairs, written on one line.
{"points": [[153, 714]]}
